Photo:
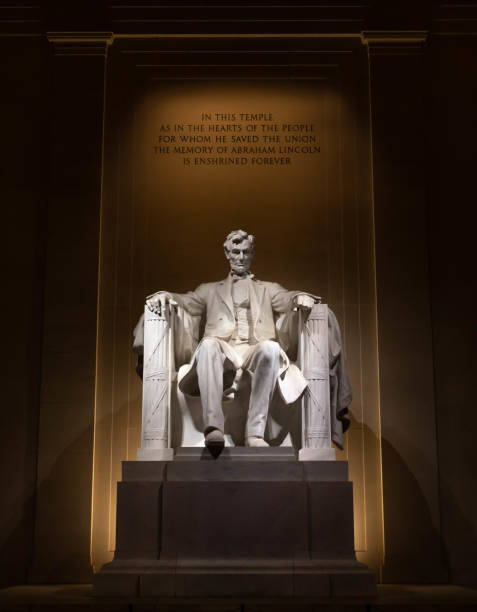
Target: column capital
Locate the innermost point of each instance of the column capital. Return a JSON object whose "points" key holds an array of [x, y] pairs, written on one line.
{"points": [[394, 42], [80, 43]]}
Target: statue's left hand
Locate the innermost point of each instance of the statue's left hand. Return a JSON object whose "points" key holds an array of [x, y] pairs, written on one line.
{"points": [[304, 301], [160, 301]]}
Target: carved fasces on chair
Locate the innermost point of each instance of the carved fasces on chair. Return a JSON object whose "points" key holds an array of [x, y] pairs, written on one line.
{"points": [[314, 363], [156, 388]]}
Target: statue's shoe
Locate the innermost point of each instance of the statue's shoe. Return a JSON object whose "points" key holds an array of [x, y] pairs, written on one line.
{"points": [[229, 394], [255, 441], [214, 439]]}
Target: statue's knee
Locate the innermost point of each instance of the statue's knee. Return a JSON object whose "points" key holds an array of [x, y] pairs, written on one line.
{"points": [[269, 350]]}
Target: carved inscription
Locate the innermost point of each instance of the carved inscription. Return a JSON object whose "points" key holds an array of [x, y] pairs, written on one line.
{"points": [[237, 139]]}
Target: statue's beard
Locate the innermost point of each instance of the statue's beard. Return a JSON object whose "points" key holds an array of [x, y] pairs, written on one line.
{"points": [[240, 269]]}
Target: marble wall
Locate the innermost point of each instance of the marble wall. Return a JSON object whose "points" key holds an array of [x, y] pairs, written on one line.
{"points": [[22, 104], [452, 146]]}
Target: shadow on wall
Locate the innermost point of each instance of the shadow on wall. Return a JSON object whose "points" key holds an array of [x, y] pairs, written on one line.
{"points": [[414, 549], [464, 539], [17, 537], [59, 546]]}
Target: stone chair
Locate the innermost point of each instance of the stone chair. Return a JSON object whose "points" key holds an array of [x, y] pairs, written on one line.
{"points": [[171, 420]]}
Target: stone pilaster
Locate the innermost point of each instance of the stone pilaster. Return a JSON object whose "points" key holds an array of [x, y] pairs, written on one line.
{"points": [[413, 550], [74, 167]]}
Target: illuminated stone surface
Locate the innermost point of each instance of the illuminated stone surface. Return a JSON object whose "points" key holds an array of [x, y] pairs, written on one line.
{"points": [[253, 522]]}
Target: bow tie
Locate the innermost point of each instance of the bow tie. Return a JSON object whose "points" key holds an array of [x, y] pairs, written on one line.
{"points": [[236, 277]]}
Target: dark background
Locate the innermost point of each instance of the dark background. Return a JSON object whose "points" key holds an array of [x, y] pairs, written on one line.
{"points": [[423, 95]]}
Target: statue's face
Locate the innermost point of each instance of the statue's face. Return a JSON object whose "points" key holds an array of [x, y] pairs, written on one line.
{"points": [[240, 257]]}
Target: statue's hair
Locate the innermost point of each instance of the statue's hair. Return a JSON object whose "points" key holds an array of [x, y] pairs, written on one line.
{"points": [[236, 237]]}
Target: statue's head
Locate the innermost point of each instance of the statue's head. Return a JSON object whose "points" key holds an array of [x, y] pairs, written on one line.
{"points": [[239, 248]]}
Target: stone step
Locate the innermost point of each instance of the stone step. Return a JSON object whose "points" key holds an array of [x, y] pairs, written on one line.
{"points": [[246, 470], [237, 453]]}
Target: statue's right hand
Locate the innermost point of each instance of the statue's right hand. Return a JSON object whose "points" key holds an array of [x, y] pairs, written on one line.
{"points": [[161, 302]]}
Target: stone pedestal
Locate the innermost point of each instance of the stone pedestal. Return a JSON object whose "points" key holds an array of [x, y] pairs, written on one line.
{"points": [[253, 522]]}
